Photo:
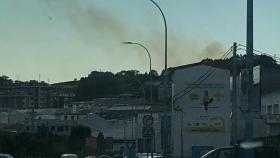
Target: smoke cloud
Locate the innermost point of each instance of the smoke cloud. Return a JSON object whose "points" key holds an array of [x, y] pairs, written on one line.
{"points": [[100, 27]]}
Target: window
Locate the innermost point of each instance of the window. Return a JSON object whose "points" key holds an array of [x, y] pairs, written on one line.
{"points": [[65, 117], [276, 109], [59, 128], [72, 117], [77, 117], [52, 128], [66, 128], [269, 109]]}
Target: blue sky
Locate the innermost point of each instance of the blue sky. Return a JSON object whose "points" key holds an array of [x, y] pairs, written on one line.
{"points": [[66, 39]]}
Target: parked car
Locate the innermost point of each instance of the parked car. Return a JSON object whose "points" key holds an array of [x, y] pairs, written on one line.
{"points": [[237, 152], [148, 155], [6, 156], [91, 157], [118, 156], [69, 156], [104, 156]]}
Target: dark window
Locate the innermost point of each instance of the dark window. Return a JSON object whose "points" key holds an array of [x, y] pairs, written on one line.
{"points": [[77, 117], [52, 128], [72, 117], [66, 128], [65, 117], [60, 128]]}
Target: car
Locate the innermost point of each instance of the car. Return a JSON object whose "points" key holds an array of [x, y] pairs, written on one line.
{"points": [[6, 156], [104, 156], [91, 157], [69, 156], [148, 155], [118, 156], [238, 152]]}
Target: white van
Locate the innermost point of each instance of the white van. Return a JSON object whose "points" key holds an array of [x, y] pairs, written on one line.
{"points": [[69, 156]]}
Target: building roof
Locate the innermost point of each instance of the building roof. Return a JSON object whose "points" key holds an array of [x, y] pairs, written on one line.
{"points": [[192, 65]]}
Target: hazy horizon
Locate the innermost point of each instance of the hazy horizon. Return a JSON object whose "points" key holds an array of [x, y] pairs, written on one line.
{"points": [[66, 39]]}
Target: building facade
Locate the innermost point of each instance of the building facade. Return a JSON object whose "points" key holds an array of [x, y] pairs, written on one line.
{"points": [[270, 111], [201, 109], [23, 95], [34, 94]]}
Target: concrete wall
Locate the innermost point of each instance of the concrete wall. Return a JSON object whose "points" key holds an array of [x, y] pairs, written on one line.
{"points": [[201, 128]]}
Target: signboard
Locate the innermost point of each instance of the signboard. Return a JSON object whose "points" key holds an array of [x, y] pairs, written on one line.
{"points": [[147, 132], [154, 115], [212, 124], [148, 120], [273, 118], [206, 102]]}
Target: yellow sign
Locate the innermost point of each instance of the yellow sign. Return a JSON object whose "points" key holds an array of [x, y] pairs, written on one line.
{"points": [[214, 124]]}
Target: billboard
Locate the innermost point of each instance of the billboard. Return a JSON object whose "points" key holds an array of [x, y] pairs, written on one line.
{"points": [[206, 102]]}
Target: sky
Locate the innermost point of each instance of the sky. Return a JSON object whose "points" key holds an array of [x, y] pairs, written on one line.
{"points": [[60, 40]]}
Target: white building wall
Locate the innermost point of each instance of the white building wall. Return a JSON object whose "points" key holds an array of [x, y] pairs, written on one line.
{"points": [[219, 110], [271, 106]]}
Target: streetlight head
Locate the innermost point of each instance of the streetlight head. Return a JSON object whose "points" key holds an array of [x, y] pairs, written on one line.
{"points": [[127, 43]]}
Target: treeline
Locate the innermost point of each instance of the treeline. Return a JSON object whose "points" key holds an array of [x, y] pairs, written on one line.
{"points": [[126, 83], [263, 60], [107, 84], [269, 74]]}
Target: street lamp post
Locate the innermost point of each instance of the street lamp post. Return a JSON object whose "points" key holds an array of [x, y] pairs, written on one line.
{"points": [[150, 71], [165, 57], [165, 36]]}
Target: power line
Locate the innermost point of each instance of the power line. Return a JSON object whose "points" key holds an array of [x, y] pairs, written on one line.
{"points": [[258, 51], [205, 74], [202, 78]]}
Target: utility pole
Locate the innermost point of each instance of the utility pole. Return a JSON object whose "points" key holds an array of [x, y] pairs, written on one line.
{"points": [[182, 134], [249, 60], [234, 98]]}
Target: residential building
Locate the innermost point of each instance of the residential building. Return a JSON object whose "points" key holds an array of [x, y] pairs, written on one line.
{"points": [[64, 92], [34, 94], [23, 95]]}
